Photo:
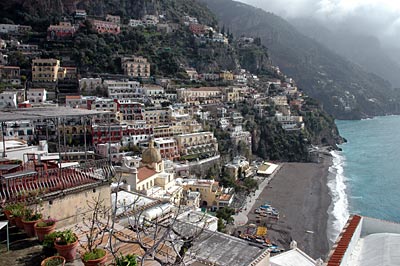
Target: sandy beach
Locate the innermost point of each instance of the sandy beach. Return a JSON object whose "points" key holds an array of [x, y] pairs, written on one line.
{"points": [[299, 191]]}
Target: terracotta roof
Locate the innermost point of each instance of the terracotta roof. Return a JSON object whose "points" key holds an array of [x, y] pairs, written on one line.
{"points": [[344, 240], [73, 97], [49, 181], [205, 89], [145, 172], [225, 197]]}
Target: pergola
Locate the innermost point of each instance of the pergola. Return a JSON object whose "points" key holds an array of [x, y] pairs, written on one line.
{"points": [[55, 114]]}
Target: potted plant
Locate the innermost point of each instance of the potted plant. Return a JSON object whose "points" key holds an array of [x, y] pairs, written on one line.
{"points": [[29, 219], [7, 212], [53, 261], [128, 260], [48, 244], [17, 211], [66, 244], [95, 257], [94, 231], [44, 227]]}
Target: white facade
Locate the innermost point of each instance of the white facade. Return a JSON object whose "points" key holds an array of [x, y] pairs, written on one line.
{"points": [[135, 23], [9, 28], [104, 104], [37, 96], [89, 84], [153, 91], [19, 130], [123, 89], [8, 99], [113, 149]]}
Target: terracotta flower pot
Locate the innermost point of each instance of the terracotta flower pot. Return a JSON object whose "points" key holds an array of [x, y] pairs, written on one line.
{"points": [[42, 231], [28, 227], [67, 251], [44, 262], [97, 262], [10, 218], [18, 222]]}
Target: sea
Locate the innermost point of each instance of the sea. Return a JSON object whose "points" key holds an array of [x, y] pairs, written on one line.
{"points": [[365, 176]]}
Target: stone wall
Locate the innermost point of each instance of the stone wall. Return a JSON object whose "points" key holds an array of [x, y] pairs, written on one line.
{"points": [[68, 209]]}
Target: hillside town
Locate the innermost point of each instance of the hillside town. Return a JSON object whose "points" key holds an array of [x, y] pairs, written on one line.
{"points": [[162, 153]]}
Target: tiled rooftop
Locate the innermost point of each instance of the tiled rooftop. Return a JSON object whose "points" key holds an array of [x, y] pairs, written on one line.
{"points": [[22, 185]]}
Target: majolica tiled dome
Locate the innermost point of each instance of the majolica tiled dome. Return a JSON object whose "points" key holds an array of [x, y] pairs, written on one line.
{"points": [[151, 154]]}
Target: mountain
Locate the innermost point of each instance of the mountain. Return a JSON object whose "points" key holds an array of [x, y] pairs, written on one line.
{"points": [[345, 89], [364, 50], [42, 12]]}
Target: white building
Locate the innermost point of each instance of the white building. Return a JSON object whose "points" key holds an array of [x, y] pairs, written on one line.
{"points": [[135, 23], [366, 241], [112, 150], [87, 85], [150, 20], [104, 104], [8, 99], [23, 129], [9, 28], [153, 90], [123, 89], [37, 96]]}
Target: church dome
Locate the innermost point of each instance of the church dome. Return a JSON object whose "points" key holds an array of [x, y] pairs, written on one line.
{"points": [[151, 154]]}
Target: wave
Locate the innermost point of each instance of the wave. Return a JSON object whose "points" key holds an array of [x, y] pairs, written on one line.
{"points": [[339, 208]]}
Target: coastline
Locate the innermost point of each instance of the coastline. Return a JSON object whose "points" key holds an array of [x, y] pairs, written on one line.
{"points": [[301, 194]]}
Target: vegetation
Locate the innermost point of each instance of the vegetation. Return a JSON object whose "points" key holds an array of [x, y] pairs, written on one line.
{"points": [[31, 215], [345, 89], [17, 209], [94, 254], [128, 260], [47, 222], [224, 216], [49, 239], [65, 237], [55, 261]]}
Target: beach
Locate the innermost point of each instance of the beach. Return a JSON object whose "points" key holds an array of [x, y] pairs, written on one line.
{"points": [[300, 193]]}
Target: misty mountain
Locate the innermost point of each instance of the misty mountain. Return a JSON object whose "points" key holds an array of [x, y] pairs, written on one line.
{"points": [[345, 89], [364, 50]]}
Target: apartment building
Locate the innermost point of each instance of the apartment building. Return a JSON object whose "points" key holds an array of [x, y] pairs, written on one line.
{"points": [[136, 66], [45, 70], [195, 145], [62, 31], [168, 148], [37, 96], [130, 110], [101, 26], [123, 89]]}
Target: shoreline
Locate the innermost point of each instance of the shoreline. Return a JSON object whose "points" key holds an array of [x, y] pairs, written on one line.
{"points": [[301, 194]]}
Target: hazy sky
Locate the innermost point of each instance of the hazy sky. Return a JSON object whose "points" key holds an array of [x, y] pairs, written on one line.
{"points": [[380, 18]]}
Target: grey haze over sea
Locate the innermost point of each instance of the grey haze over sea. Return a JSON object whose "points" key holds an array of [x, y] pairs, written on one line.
{"points": [[365, 177]]}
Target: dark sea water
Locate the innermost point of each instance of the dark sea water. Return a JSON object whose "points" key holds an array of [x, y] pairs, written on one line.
{"points": [[365, 176]]}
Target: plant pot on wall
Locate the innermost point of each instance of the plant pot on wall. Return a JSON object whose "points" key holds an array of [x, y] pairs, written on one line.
{"points": [[67, 251], [53, 261], [43, 228], [28, 227], [66, 245], [96, 258]]}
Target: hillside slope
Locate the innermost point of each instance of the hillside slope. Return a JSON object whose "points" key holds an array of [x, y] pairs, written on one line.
{"points": [[364, 50], [345, 89]]}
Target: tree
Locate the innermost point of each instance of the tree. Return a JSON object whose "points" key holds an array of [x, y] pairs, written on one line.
{"points": [[154, 236], [226, 214]]}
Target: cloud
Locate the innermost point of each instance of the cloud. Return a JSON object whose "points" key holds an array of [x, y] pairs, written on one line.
{"points": [[370, 17]]}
